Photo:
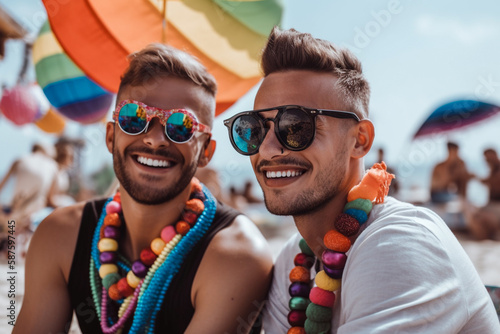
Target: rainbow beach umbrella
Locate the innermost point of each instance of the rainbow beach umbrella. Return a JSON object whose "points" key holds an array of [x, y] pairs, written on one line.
{"points": [[66, 87], [226, 36], [456, 115]]}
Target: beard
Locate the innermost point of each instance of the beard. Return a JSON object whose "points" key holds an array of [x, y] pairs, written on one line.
{"points": [[325, 188], [151, 195]]}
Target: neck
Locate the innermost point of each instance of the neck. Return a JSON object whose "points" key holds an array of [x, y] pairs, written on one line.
{"points": [[145, 222], [314, 225]]}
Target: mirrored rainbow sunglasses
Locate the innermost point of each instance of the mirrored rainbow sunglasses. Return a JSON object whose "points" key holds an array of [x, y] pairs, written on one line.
{"points": [[133, 117]]}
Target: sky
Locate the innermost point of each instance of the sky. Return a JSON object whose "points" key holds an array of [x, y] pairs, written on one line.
{"points": [[417, 55]]}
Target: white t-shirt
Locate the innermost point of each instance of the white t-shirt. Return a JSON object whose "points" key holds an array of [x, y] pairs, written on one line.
{"points": [[405, 273]]}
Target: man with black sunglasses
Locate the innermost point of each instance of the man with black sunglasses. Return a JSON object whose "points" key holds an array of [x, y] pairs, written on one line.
{"points": [[363, 262], [161, 255]]}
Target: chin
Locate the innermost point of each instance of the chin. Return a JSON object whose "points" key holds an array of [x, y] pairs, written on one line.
{"points": [[279, 206]]}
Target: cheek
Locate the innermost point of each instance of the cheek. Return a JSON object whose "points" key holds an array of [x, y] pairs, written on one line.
{"points": [[121, 141], [253, 161], [191, 150]]}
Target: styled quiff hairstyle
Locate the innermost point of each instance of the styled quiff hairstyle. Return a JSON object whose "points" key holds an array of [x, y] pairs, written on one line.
{"points": [[292, 50], [159, 61]]}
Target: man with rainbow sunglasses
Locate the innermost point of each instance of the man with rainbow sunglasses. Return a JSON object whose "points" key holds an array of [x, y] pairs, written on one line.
{"points": [[362, 262], [161, 255]]}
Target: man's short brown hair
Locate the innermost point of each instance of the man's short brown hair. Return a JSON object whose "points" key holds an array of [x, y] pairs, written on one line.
{"points": [[292, 50], [159, 61]]}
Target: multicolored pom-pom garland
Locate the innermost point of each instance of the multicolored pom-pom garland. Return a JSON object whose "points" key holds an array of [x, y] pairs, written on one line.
{"points": [[311, 310], [139, 292]]}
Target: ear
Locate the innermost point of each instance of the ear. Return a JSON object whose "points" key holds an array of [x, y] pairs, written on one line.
{"points": [[208, 153], [365, 134], [110, 135]]}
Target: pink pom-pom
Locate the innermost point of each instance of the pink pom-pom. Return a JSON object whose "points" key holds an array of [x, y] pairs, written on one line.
{"points": [[322, 297], [333, 260], [113, 207], [168, 233]]}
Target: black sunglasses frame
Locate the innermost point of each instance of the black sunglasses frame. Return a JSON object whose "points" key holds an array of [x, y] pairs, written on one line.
{"points": [[312, 113]]}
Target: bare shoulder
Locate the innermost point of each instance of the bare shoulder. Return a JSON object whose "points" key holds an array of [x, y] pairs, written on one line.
{"points": [[56, 236], [48, 263], [239, 251], [242, 239], [232, 280]]}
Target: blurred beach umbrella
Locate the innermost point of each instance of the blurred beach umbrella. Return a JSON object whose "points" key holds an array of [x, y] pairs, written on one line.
{"points": [[67, 88], [51, 122], [456, 115], [21, 105], [226, 36]]}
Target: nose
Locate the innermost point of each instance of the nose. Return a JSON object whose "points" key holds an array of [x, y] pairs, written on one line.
{"points": [[271, 147], [155, 136]]}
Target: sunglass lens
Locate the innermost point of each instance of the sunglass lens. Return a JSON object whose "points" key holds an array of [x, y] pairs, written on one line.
{"points": [[132, 118], [296, 128], [247, 134], [180, 127]]}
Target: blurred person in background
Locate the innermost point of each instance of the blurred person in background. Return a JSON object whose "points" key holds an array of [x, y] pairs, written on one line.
{"points": [[450, 177], [34, 176], [59, 195], [59, 191], [485, 222]]}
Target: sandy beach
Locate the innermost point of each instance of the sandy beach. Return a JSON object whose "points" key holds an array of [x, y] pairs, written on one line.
{"points": [[484, 255]]}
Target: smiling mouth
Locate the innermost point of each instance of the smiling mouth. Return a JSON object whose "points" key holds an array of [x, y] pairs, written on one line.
{"points": [[283, 174], [158, 163]]}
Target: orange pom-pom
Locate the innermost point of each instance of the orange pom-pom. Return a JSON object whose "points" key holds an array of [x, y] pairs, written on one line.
{"points": [[112, 219], [300, 274], [114, 293], [117, 197], [296, 330], [123, 287], [336, 241], [374, 186], [182, 227], [157, 245], [195, 205]]}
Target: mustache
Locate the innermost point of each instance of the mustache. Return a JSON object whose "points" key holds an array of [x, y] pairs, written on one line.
{"points": [[283, 161]]}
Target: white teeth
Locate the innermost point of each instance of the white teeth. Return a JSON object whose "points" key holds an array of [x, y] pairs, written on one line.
{"points": [[153, 163], [288, 173]]}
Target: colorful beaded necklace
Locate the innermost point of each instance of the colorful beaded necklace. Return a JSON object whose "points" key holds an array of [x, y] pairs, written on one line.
{"points": [[139, 294], [311, 310]]}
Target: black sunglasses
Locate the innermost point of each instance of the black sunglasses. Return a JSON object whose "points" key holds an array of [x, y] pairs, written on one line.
{"points": [[294, 127]]}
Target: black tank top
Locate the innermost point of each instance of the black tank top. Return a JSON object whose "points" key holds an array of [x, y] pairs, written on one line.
{"points": [[176, 311]]}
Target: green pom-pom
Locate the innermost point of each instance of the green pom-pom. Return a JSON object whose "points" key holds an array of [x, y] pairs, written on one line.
{"points": [[110, 279], [305, 248], [318, 313], [313, 327], [298, 303], [361, 204]]}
